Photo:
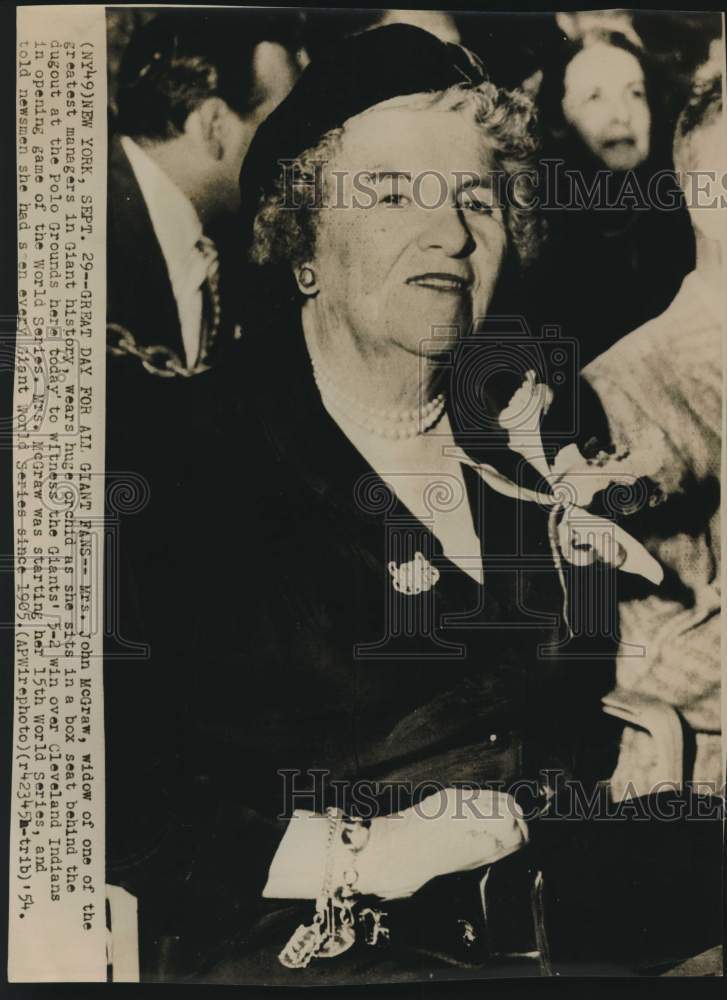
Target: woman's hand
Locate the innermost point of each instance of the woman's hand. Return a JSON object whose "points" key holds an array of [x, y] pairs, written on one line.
{"points": [[454, 830]]}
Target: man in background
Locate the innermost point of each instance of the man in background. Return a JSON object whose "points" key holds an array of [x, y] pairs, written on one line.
{"points": [[661, 390], [192, 89]]}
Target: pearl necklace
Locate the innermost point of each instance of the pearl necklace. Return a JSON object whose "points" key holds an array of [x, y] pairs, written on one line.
{"points": [[384, 423]]}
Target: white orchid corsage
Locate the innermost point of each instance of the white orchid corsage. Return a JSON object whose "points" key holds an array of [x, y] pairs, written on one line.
{"points": [[575, 533]]}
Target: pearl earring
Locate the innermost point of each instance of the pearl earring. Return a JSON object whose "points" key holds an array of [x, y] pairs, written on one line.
{"points": [[307, 277]]}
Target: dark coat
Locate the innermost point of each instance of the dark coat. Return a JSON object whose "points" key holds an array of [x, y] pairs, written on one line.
{"points": [[156, 429], [299, 656], [604, 272], [156, 425], [139, 293], [288, 669]]}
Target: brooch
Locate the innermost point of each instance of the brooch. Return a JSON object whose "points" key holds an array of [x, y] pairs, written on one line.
{"points": [[415, 576]]}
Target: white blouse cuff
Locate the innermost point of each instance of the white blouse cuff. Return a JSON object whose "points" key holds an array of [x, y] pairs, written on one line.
{"points": [[296, 871]]}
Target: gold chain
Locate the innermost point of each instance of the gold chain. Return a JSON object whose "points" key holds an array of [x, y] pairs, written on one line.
{"points": [[156, 359]]}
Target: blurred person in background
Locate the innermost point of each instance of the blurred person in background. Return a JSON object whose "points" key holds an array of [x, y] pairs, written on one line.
{"points": [[578, 24], [678, 41], [661, 390], [191, 91], [516, 48], [620, 238]]}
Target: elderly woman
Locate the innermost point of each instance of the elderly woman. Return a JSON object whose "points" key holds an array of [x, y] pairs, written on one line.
{"points": [[375, 697]]}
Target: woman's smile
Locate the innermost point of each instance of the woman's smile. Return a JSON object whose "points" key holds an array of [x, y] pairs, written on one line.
{"points": [[619, 140], [442, 282], [368, 259]]}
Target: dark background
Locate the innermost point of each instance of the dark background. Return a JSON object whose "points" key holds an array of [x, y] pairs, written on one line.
{"points": [[511, 47]]}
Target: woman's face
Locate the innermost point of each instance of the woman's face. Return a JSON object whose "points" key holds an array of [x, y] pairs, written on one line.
{"points": [[605, 101], [410, 250]]}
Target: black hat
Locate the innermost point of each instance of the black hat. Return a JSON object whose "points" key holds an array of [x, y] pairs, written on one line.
{"points": [[361, 71]]}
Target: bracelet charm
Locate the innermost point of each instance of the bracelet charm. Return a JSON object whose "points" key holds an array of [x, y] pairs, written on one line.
{"points": [[332, 930]]}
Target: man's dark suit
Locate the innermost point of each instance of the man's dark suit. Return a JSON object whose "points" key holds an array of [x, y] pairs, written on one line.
{"points": [[139, 294], [156, 430]]}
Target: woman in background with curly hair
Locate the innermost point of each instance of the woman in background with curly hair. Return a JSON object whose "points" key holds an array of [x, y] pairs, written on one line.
{"points": [[620, 241]]}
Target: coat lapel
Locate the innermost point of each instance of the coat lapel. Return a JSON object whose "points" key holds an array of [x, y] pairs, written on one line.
{"points": [[139, 293], [321, 467]]}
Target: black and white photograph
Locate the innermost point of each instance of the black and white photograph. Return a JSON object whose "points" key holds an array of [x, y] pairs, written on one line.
{"points": [[367, 459]]}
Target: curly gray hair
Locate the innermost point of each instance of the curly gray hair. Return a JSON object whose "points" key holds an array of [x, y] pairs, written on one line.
{"points": [[286, 221]]}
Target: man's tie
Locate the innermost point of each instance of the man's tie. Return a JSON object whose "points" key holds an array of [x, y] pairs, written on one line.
{"points": [[202, 276], [211, 306]]}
